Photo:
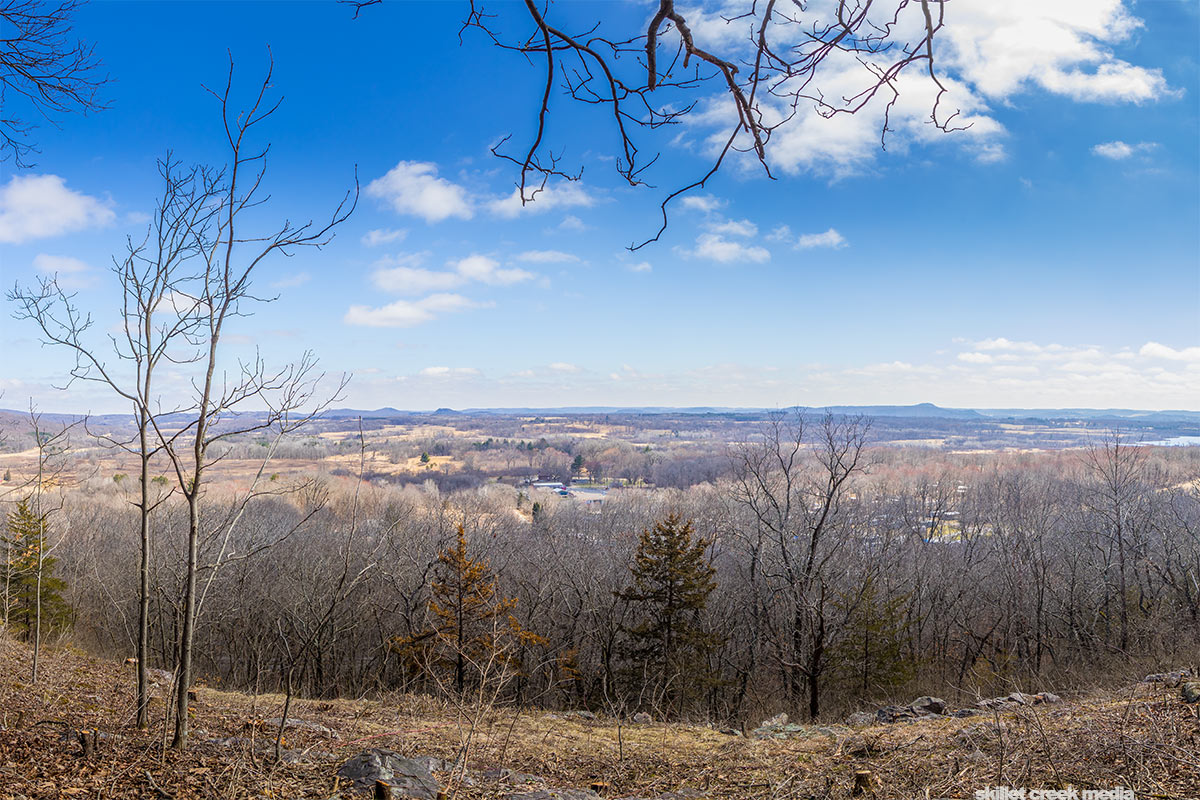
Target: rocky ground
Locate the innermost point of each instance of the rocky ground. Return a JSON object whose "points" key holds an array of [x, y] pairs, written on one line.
{"points": [[70, 736]]}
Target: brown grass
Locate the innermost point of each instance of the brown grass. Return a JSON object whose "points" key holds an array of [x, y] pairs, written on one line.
{"points": [[1143, 738]]}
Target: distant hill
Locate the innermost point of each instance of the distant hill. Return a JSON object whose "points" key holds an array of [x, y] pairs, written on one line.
{"points": [[918, 411], [14, 419], [1092, 414]]}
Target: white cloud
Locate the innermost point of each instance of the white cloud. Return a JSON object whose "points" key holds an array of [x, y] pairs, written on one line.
{"points": [[415, 280], [830, 238], [299, 279], [976, 358], [403, 274], [561, 366], [1162, 351], [71, 273], [988, 53], [561, 195], [40, 206], [641, 266], [715, 247], [380, 236], [59, 264], [1062, 47], [734, 227], [413, 187], [1006, 344], [546, 257], [701, 202], [406, 313], [840, 145], [781, 233], [448, 372], [1119, 150], [572, 223], [990, 153], [486, 270]]}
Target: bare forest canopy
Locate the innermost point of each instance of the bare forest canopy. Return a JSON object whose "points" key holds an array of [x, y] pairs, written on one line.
{"points": [[809, 569]]}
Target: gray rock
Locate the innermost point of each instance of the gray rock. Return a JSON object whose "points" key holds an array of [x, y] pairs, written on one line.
{"points": [[995, 703], [860, 719], [890, 714], [405, 776], [731, 731], [1046, 697], [580, 715], [433, 763], [1171, 679], [928, 705], [966, 712], [777, 721], [158, 676], [642, 718], [1189, 691]]}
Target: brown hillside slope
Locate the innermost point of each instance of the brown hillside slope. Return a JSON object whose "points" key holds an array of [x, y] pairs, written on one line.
{"points": [[1143, 737]]}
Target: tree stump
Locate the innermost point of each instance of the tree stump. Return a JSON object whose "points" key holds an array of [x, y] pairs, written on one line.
{"points": [[862, 783]]}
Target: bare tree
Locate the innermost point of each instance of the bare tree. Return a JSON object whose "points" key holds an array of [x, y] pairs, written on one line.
{"points": [[50, 446], [796, 484], [656, 77], [181, 285], [1115, 494], [44, 68], [289, 397], [156, 327]]}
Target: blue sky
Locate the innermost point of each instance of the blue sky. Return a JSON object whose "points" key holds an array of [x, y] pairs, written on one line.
{"points": [[1048, 256]]}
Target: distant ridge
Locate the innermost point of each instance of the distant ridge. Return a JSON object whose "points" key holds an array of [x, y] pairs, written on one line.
{"points": [[915, 411], [918, 411]]}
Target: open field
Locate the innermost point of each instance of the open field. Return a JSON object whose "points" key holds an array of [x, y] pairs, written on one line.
{"points": [[477, 447]]}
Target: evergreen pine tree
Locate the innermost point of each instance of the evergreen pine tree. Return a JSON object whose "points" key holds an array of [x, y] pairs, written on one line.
{"points": [[25, 562], [471, 620], [871, 654], [672, 580]]}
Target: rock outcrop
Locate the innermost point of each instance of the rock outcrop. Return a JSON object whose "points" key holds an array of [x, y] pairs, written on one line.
{"points": [[405, 777]]}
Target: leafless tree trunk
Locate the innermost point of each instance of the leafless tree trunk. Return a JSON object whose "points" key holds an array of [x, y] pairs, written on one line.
{"points": [[156, 327], [230, 256]]}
